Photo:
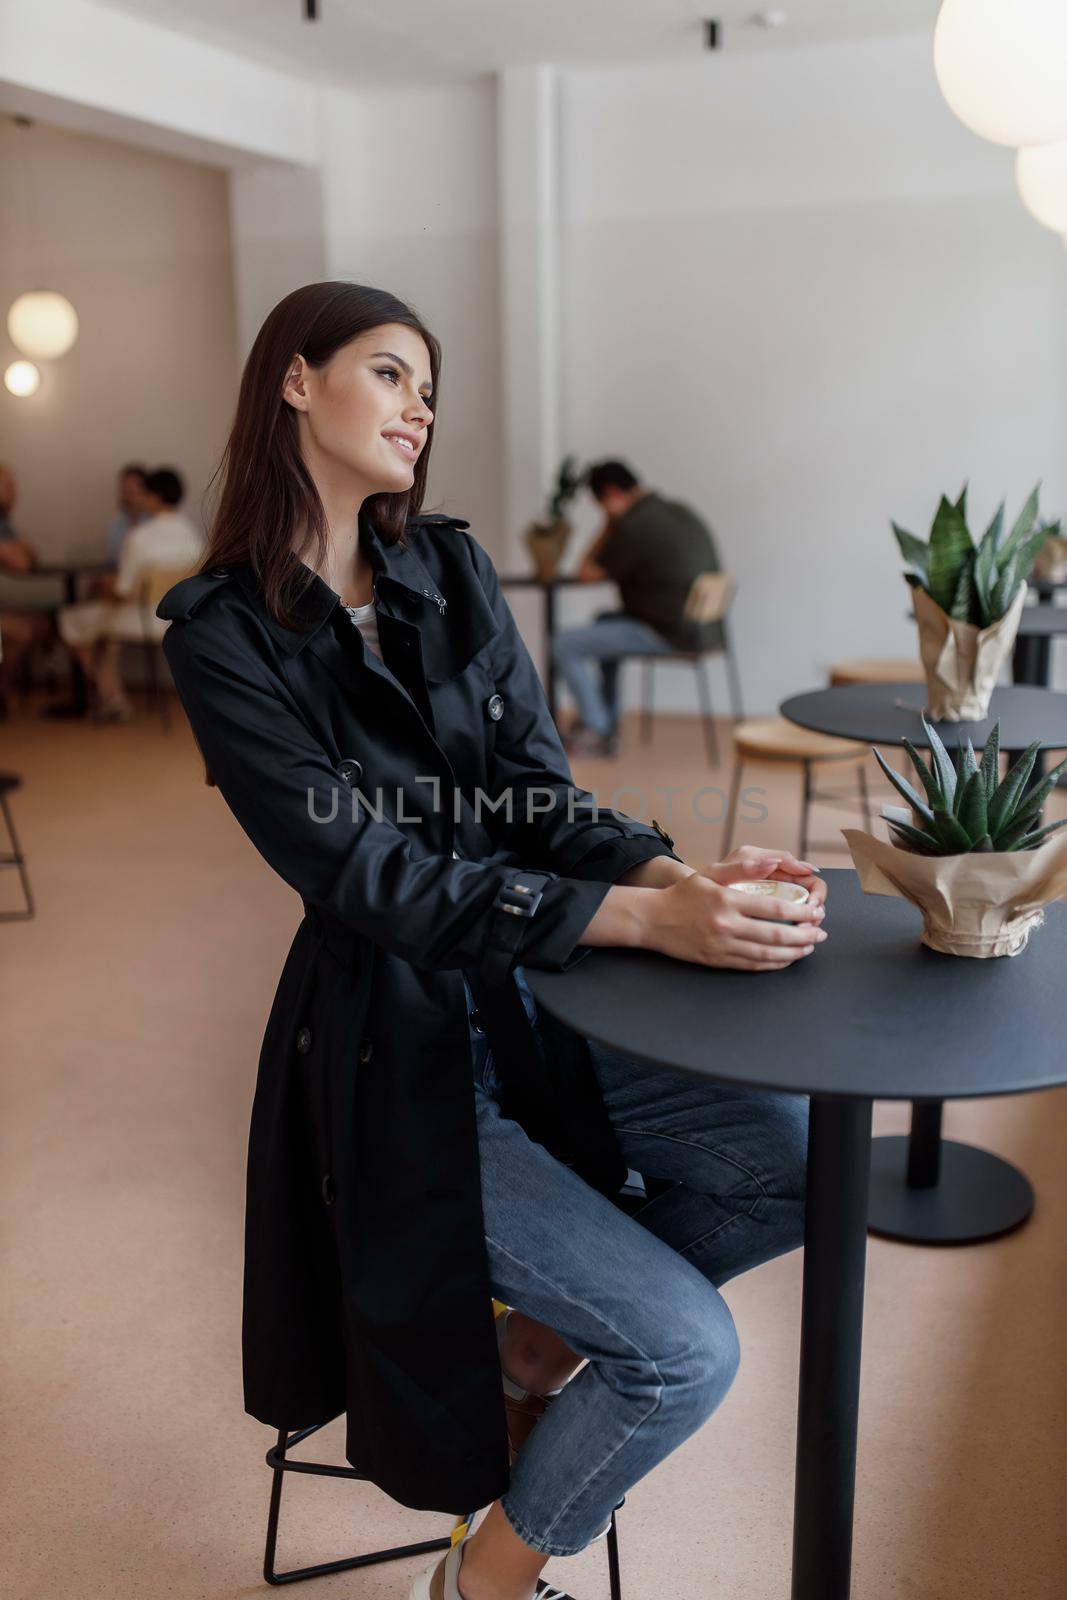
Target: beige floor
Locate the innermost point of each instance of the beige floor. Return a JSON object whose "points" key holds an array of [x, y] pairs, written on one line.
{"points": [[130, 1016]]}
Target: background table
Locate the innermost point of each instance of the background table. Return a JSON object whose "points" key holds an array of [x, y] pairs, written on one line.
{"points": [[548, 588], [872, 1015], [926, 1189], [1032, 657]]}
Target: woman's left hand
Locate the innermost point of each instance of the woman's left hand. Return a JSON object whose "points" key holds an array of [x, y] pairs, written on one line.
{"points": [[749, 862]]}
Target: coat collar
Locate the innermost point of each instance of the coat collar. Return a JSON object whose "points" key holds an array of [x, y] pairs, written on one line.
{"points": [[396, 564]]}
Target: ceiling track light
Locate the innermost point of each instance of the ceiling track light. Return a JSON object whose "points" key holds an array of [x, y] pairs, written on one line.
{"points": [[712, 34], [311, 10]]}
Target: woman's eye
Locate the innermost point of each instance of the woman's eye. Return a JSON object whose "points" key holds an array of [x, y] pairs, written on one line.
{"points": [[387, 372]]}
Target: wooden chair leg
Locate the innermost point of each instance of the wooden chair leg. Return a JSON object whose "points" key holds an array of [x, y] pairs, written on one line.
{"points": [[731, 806], [647, 692], [865, 798], [707, 715], [733, 676], [17, 860]]}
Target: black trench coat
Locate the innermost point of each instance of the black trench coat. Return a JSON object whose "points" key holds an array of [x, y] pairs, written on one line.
{"points": [[366, 1279]]}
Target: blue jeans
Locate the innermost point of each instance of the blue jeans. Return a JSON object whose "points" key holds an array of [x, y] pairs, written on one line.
{"points": [[603, 641], [636, 1295]]}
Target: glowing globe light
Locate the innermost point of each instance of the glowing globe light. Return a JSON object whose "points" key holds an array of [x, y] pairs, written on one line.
{"points": [[1041, 176], [42, 324], [1002, 67], [22, 378]]}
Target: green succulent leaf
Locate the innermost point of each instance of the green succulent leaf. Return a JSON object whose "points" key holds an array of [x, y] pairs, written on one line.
{"points": [[1031, 841], [1021, 529], [982, 846], [1030, 805], [934, 792], [951, 833], [1003, 805], [916, 553], [973, 810], [1003, 592], [1028, 553], [905, 790], [951, 549], [914, 838], [965, 597], [943, 769], [985, 565], [990, 767]]}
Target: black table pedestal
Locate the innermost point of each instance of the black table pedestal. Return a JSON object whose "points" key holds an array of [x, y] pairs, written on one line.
{"points": [[929, 1190], [835, 1254]]}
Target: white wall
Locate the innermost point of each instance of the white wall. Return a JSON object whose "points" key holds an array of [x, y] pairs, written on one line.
{"points": [[424, 225], [798, 294], [140, 245]]}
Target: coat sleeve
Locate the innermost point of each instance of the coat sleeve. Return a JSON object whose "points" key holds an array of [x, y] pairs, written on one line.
{"points": [[296, 808], [549, 822]]}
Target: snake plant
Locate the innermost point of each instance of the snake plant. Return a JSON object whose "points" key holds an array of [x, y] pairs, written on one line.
{"points": [[973, 582], [569, 480], [964, 806]]}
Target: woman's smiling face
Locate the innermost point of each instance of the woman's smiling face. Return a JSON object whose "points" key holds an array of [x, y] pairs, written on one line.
{"points": [[367, 410]]}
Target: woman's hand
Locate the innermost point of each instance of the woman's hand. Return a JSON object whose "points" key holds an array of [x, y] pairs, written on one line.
{"points": [[747, 862], [698, 919]]}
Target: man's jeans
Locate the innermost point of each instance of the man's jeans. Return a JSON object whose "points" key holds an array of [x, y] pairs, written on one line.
{"points": [[604, 642], [636, 1295]]}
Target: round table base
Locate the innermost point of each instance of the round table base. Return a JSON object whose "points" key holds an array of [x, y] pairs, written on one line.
{"points": [[977, 1196]]}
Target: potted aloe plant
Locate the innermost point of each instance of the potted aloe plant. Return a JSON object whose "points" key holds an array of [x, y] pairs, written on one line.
{"points": [[547, 539], [970, 850], [968, 599], [1051, 563]]}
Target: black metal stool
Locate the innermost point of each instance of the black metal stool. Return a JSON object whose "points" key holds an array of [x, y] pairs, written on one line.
{"points": [[9, 781], [279, 1462]]}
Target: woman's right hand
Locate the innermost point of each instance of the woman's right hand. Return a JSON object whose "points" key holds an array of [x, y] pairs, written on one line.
{"points": [[699, 920]]}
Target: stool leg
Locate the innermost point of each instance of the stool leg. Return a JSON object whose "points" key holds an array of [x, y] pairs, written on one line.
{"points": [[19, 862], [731, 807], [865, 799], [704, 691], [614, 1571], [804, 810], [647, 691], [269, 1569]]}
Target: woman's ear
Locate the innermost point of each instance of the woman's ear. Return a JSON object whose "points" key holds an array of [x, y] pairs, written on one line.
{"points": [[294, 390]]}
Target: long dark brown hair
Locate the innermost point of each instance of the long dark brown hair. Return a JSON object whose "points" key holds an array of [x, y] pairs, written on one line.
{"points": [[265, 491]]}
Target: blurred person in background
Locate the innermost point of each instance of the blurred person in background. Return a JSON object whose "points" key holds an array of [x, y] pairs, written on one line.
{"points": [[652, 548], [21, 627], [132, 508], [94, 629]]}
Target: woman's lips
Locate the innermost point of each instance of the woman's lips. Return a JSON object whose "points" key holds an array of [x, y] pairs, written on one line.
{"points": [[402, 446]]}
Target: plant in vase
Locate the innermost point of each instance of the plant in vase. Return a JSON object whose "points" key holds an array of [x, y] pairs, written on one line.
{"points": [[968, 599], [546, 540], [1051, 563], [970, 850]]}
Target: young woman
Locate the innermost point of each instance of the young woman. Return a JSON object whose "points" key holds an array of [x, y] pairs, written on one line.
{"points": [[421, 1140]]}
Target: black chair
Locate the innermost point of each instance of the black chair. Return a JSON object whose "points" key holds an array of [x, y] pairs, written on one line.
{"points": [[9, 782], [279, 1461]]}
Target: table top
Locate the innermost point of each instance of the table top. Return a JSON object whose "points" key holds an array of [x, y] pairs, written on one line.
{"points": [[58, 569], [872, 1014], [530, 580], [886, 713]]}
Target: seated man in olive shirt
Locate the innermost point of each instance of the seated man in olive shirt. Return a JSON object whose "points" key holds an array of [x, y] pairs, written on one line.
{"points": [[653, 549]]}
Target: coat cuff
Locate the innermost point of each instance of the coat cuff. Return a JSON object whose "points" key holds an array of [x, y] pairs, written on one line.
{"points": [[606, 863], [548, 939]]}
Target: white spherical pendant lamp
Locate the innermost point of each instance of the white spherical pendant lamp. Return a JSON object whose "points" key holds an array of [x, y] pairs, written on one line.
{"points": [[1002, 67], [22, 379], [1041, 177], [42, 324]]}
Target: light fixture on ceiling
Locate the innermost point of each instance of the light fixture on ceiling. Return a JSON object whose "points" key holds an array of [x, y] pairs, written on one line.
{"points": [[22, 379], [41, 322], [1003, 67], [311, 10], [1041, 178], [712, 34]]}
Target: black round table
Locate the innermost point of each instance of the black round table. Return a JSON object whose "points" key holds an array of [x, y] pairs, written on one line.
{"points": [[925, 1189], [873, 1015], [1031, 660]]}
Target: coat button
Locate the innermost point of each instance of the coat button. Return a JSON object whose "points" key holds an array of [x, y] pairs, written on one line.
{"points": [[476, 1022], [351, 770], [495, 706], [303, 1041], [366, 1050], [327, 1189]]}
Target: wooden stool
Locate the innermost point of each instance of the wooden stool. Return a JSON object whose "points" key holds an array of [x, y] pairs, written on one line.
{"points": [[877, 669], [775, 739]]}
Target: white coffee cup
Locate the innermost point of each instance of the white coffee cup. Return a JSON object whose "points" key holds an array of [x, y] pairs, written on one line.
{"points": [[793, 893]]}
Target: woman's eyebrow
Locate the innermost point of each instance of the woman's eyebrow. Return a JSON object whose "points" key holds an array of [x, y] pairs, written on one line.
{"points": [[404, 366]]}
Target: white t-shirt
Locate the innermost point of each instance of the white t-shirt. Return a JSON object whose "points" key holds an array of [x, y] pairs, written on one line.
{"points": [[166, 540], [366, 620]]}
